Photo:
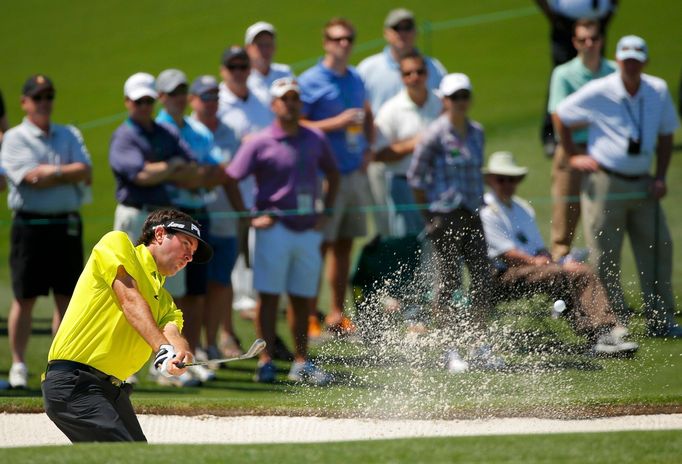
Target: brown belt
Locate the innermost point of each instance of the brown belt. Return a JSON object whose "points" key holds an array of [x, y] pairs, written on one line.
{"points": [[622, 176]]}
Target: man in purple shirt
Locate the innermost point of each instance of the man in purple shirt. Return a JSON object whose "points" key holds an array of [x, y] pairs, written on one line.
{"points": [[285, 159]]}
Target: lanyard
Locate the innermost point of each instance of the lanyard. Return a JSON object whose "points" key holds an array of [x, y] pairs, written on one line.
{"points": [[639, 125]]}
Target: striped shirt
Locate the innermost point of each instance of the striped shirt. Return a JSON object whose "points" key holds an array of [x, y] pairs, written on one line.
{"points": [[448, 168], [614, 116]]}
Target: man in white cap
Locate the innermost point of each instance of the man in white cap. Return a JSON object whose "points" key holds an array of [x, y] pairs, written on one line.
{"points": [[259, 42], [630, 117], [446, 174], [286, 159], [383, 80], [525, 267]]}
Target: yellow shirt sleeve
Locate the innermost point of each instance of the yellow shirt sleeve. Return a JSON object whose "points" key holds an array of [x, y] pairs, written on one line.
{"points": [[170, 313]]}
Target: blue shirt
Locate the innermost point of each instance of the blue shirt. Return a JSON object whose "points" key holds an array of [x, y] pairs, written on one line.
{"points": [[326, 94], [130, 148], [381, 74]]}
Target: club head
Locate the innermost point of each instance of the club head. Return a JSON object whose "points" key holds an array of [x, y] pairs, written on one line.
{"points": [[257, 346]]}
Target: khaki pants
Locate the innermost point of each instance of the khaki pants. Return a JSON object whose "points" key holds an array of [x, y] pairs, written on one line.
{"points": [[565, 203], [589, 309], [611, 207]]}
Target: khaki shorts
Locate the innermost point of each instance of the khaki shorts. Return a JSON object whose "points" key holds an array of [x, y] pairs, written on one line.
{"points": [[348, 220]]}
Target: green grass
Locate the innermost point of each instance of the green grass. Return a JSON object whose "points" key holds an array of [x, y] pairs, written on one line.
{"points": [[603, 448], [89, 48]]}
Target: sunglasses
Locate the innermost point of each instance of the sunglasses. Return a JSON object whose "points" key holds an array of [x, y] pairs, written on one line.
{"points": [[348, 38], [209, 97], [43, 96], [144, 101], [507, 180], [290, 98], [418, 72], [408, 27], [592, 38], [238, 67], [180, 90], [460, 95]]}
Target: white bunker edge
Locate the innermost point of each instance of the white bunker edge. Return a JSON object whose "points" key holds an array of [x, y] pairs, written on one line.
{"points": [[21, 429]]}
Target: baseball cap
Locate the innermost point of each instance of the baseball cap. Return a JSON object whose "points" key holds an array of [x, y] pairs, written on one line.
{"points": [[232, 52], [203, 84], [632, 47], [140, 85], [454, 82], [36, 84], [283, 85], [396, 16], [169, 80], [204, 251], [253, 30]]}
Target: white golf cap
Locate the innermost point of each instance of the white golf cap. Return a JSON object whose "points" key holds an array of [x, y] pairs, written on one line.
{"points": [[283, 85], [170, 79], [255, 29], [632, 47], [502, 163], [140, 85], [454, 82]]}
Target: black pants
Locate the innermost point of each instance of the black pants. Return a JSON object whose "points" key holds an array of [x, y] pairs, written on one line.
{"points": [[87, 408]]}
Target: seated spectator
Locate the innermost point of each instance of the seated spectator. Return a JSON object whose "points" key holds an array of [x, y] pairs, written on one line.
{"points": [[285, 160], [525, 267]]}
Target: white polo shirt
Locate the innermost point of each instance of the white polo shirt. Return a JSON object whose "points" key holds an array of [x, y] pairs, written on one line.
{"points": [[260, 84], [244, 117], [510, 228], [613, 117], [400, 119]]}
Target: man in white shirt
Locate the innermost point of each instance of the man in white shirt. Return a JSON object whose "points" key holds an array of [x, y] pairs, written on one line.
{"points": [[399, 124], [630, 116], [525, 267], [259, 42]]}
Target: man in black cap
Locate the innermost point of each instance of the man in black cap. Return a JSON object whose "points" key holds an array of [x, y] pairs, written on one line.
{"points": [[47, 167]]}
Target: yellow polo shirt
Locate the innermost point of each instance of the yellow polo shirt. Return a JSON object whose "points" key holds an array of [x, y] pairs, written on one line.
{"points": [[94, 330]]}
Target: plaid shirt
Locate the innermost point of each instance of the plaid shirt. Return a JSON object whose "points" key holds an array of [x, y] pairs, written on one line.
{"points": [[448, 168]]}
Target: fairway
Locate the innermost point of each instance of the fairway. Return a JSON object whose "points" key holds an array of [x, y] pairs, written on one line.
{"points": [[89, 48]]}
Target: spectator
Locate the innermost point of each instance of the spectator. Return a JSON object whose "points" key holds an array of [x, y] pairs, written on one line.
{"points": [[399, 125], [562, 15], [119, 315], [446, 174], [145, 158], [566, 79], [189, 285], [245, 114], [259, 42], [383, 80], [525, 267], [47, 166], [285, 159], [630, 116], [223, 228], [335, 102]]}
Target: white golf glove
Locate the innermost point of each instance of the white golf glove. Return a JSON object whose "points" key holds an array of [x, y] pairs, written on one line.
{"points": [[163, 358]]}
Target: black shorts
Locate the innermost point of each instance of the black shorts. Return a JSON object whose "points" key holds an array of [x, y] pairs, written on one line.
{"points": [[46, 253], [196, 275]]}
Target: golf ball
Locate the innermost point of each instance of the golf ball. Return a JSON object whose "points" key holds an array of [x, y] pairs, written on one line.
{"points": [[559, 306]]}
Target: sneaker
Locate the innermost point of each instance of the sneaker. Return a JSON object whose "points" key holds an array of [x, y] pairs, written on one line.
{"points": [[307, 372], [18, 375], [613, 343], [314, 328], [455, 364], [265, 373], [344, 327], [184, 380], [670, 330], [244, 303], [201, 373], [482, 357]]}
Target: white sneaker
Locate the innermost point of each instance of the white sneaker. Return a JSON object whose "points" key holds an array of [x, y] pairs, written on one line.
{"points": [[201, 373], [455, 364], [18, 375], [613, 343], [244, 303], [185, 380], [307, 372]]}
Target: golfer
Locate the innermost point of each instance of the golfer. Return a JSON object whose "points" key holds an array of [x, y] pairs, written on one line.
{"points": [[118, 315]]}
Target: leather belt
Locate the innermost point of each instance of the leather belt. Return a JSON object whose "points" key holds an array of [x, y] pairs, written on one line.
{"points": [[622, 176], [70, 366]]}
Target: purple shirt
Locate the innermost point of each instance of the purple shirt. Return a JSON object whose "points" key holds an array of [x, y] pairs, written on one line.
{"points": [[286, 169]]}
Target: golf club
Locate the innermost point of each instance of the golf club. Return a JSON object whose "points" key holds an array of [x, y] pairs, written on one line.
{"points": [[255, 348]]}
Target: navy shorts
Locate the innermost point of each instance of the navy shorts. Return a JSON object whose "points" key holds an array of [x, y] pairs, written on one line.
{"points": [[224, 257]]}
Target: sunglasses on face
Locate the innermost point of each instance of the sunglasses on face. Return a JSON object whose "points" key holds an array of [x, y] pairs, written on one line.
{"points": [[348, 38], [592, 38], [418, 72], [407, 27], [460, 95], [238, 67], [43, 96], [507, 180], [208, 97], [144, 101], [180, 90]]}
